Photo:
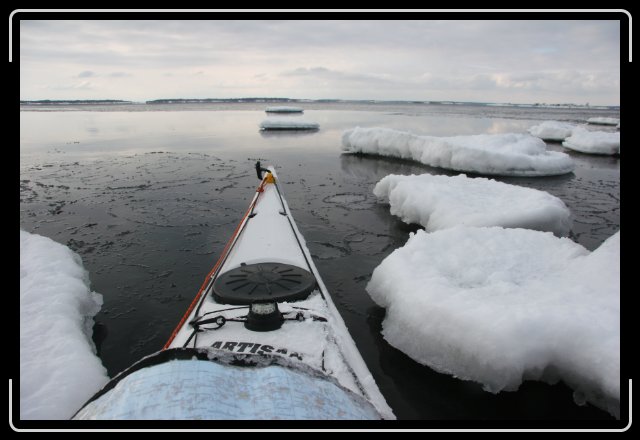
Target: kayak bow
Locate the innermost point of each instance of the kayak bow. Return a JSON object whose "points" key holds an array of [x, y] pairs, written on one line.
{"points": [[262, 339]]}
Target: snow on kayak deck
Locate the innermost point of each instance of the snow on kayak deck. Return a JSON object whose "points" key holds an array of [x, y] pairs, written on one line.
{"points": [[509, 154], [439, 202], [288, 124], [202, 390], [604, 121], [59, 370], [552, 130], [593, 142], [500, 306], [283, 109]]}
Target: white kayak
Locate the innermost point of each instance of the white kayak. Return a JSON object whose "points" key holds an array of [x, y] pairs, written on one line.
{"points": [[262, 339]]}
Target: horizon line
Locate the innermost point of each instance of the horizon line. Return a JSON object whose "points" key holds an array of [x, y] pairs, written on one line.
{"points": [[276, 99]]}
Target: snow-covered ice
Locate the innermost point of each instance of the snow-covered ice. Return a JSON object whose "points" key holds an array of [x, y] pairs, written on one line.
{"points": [[59, 369], [439, 202], [500, 306], [552, 130], [288, 124], [283, 109], [508, 154], [604, 121], [578, 138], [593, 142]]}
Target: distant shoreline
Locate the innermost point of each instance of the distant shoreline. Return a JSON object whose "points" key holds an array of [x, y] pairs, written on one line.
{"points": [[75, 102], [300, 101]]}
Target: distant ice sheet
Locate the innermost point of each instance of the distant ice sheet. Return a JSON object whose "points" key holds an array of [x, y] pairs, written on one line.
{"points": [[439, 202], [500, 306], [288, 124], [59, 369], [593, 142], [604, 121], [509, 154], [552, 130], [283, 109]]}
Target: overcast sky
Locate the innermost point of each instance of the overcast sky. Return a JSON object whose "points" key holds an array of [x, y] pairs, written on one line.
{"points": [[521, 61]]}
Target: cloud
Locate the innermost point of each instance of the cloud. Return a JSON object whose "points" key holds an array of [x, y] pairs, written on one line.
{"points": [[119, 75], [79, 85], [336, 75], [566, 80], [92, 74], [307, 71], [411, 59]]}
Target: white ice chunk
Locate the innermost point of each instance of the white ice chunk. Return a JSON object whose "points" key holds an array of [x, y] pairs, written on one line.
{"points": [[283, 109], [288, 124], [439, 202], [593, 142], [500, 306], [604, 121], [59, 369], [552, 130], [510, 154]]}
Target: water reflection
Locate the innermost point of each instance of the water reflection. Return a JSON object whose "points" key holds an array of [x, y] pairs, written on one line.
{"points": [[498, 126], [114, 132], [373, 168], [594, 161]]}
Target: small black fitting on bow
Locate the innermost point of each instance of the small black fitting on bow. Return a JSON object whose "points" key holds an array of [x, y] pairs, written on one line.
{"points": [[259, 170]]}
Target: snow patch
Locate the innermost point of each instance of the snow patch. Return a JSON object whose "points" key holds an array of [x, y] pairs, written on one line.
{"points": [[500, 306], [552, 130], [59, 370], [439, 202], [593, 142]]}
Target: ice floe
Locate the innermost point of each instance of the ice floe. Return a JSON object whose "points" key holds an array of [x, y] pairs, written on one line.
{"points": [[500, 306], [552, 130], [59, 369], [283, 109], [604, 121], [510, 154], [593, 142], [439, 202], [288, 124]]}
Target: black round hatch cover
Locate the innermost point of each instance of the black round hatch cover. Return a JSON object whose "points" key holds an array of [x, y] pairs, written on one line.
{"points": [[263, 282]]}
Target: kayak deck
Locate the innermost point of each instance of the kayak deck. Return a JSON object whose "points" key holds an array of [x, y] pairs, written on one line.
{"points": [[312, 332]]}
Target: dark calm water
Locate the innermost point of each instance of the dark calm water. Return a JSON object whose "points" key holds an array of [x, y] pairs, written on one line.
{"points": [[149, 195]]}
